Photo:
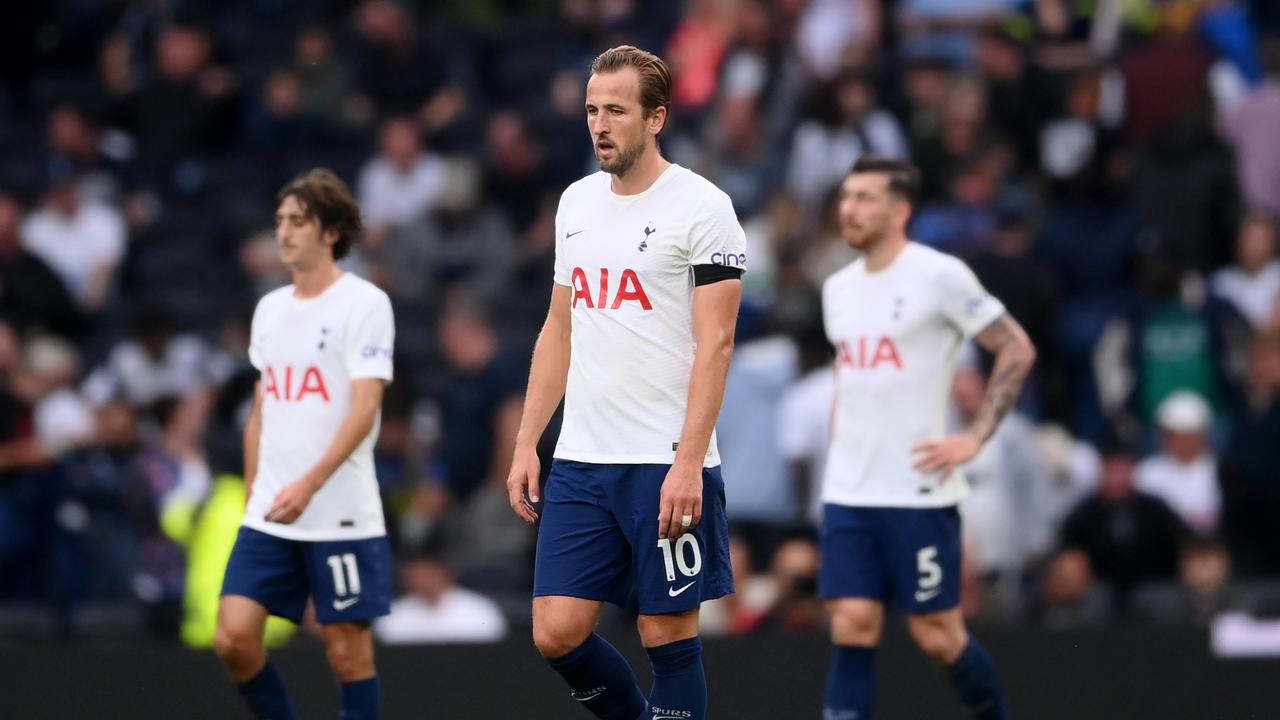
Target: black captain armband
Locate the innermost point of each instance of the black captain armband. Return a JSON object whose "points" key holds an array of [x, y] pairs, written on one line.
{"points": [[709, 273]]}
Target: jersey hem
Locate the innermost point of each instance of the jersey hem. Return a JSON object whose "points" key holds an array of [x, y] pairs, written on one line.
{"points": [[308, 535], [625, 459], [893, 503]]}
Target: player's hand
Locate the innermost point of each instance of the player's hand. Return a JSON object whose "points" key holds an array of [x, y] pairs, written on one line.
{"points": [[943, 456], [292, 501], [525, 470], [680, 502]]}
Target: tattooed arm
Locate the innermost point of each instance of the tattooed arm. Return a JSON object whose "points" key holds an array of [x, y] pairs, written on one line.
{"points": [[1015, 355]]}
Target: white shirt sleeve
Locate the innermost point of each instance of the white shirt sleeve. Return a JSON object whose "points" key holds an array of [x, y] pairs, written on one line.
{"points": [[370, 340], [716, 237], [255, 349], [562, 273], [964, 302]]}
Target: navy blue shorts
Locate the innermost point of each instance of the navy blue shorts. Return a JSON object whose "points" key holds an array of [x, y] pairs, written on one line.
{"points": [[350, 580], [907, 555], [599, 537]]}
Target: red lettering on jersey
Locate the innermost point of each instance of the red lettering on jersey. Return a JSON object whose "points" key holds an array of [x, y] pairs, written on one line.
{"points": [[313, 382], [629, 290], [886, 352], [272, 389], [580, 290], [636, 293]]}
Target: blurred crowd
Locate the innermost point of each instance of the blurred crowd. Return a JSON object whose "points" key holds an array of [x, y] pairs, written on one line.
{"points": [[1109, 169]]}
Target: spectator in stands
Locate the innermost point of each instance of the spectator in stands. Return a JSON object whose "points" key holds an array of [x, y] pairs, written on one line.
{"points": [[403, 183], [324, 81], [399, 71], [1007, 514], [1128, 536], [1184, 473], [1250, 128], [31, 295], [1203, 588], [1070, 596], [762, 503], [465, 241], [847, 122], [1252, 284], [103, 162], [788, 599], [186, 110], [80, 239], [1250, 482], [804, 419], [435, 609]]}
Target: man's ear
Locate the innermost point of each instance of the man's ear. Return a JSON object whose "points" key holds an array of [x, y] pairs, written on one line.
{"points": [[658, 120], [902, 212]]}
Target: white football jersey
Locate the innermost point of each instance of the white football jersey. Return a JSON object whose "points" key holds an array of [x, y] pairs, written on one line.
{"points": [[629, 261], [309, 351], [896, 334]]}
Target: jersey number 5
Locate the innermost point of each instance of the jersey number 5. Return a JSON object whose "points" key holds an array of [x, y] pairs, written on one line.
{"points": [[930, 570], [348, 580], [675, 557]]}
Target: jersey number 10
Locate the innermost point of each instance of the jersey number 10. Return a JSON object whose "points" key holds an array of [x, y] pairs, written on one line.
{"points": [[675, 557]]}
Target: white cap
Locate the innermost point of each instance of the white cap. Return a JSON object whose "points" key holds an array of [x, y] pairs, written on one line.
{"points": [[1184, 411]]}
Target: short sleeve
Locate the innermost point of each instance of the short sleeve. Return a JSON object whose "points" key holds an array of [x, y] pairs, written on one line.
{"points": [[255, 341], [716, 237], [964, 302], [562, 273], [370, 340]]}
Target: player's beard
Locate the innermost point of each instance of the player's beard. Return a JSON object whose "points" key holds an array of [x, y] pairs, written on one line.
{"points": [[624, 158]]}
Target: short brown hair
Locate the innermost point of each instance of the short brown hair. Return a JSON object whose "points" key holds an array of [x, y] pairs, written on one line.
{"points": [[904, 178], [326, 198], [655, 76]]}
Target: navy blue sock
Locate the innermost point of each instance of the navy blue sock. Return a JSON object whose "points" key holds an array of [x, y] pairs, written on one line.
{"points": [[361, 700], [973, 675], [600, 678], [266, 695], [679, 682], [851, 683]]}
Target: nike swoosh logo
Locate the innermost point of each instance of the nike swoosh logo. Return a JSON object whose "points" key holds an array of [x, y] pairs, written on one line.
{"points": [[569, 235], [585, 698], [674, 593], [927, 595], [344, 604]]}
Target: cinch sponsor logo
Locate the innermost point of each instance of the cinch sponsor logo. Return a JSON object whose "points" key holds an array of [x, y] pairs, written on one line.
{"points": [[629, 290], [729, 259], [373, 351], [864, 354], [281, 385]]}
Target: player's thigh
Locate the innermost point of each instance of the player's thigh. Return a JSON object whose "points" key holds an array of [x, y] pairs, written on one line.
{"points": [[856, 621], [854, 562], [349, 580], [561, 623], [675, 574], [240, 620], [582, 552], [925, 557], [269, 570]]}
